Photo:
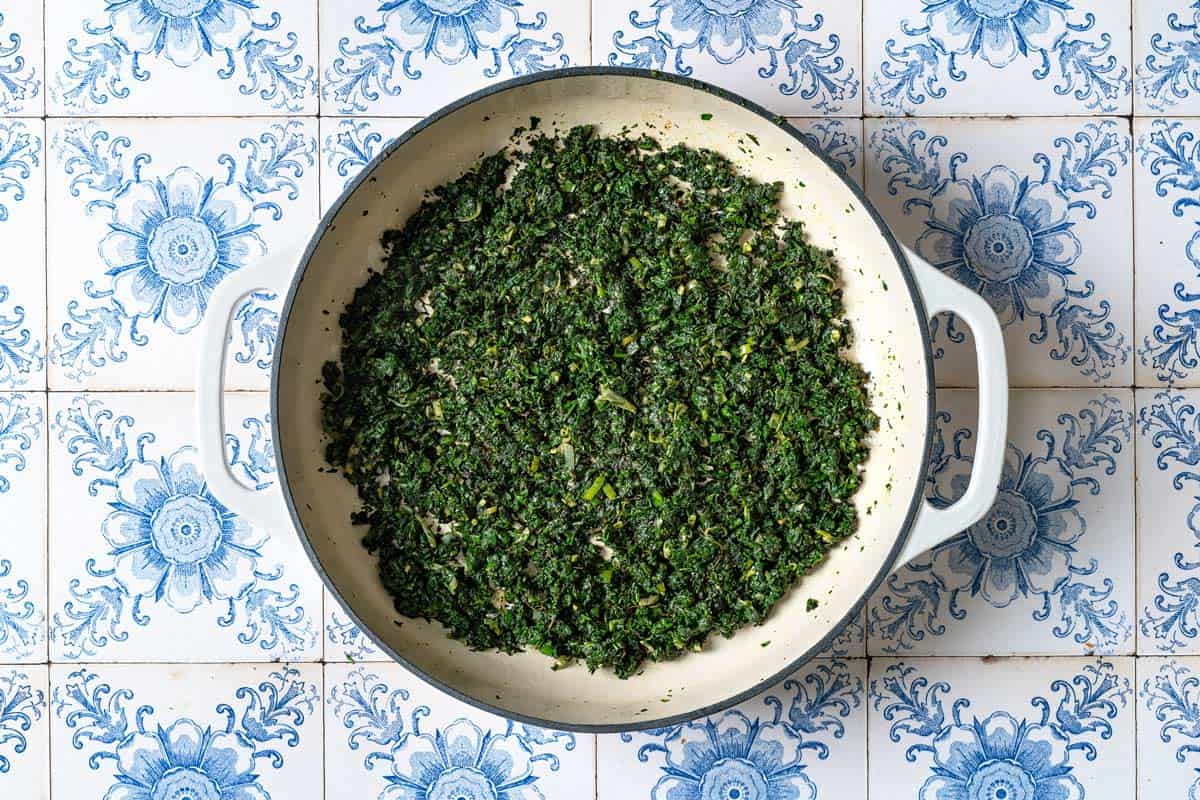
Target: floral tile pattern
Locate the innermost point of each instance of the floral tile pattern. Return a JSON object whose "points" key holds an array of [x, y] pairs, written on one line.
{"points": [[395, 58], [1050, 569], [160, 211], [182, 57], [1168, 727], [1010, 728], [956, 57], [1036, 216], [804, 738], [191, 732], [22, 60], [23, 237], [797, 59], [151, 549], [155, 645], [25, 731]]}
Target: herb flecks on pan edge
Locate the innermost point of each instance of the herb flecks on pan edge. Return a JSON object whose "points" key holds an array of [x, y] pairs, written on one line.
{"points": [[603, 411]]}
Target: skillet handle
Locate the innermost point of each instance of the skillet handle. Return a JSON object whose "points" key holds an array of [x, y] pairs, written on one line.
{"points": [[935, 525], [266, 507]]}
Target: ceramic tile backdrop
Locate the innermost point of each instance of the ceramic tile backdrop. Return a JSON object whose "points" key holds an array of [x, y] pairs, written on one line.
{"points": [[1062, 668]]}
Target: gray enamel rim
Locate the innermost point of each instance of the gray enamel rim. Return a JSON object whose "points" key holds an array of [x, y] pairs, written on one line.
{"points": [[775, 119]]}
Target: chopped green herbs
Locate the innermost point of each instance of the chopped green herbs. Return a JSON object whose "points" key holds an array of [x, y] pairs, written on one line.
{"points": [[600, 411]]}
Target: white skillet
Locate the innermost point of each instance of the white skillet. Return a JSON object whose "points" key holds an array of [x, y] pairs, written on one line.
{"points": [[890, 294]]}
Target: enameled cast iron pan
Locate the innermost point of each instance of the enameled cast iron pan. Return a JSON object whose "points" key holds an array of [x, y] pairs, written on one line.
{"points": [[890, 294]]}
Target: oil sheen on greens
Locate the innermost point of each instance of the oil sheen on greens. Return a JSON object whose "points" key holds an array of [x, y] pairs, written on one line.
{"points": [[601, 411]]}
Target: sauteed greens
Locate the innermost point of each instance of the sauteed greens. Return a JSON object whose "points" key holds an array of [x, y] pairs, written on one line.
{"points": [[602, 410]]}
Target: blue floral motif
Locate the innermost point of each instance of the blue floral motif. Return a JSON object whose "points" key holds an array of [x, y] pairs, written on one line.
{"points": [[831, 138], [21, 622], [350, 149], [19, 153], [1008, 236], [258, 325], [1172, 619], [1173, 696], [20, 706], [20, 351], [172, 239], [184, 32], [460, 761], [18, 81], [1000, 756], [1025, 548], [735, 755], [1172, 155], [998, 32], [349, 639], [1171, 72], [170, 543], [449, 32], [20, 427], [185, 759], [768, 32]]}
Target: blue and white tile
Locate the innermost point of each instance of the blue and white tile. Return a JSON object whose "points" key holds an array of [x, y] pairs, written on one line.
{"points": [[23, 242], [23, 545], [348, 145], [802, 739], [408, 59], [190, 731], [1002, 728], [1031, 57], [1166, 57], [186, 57], [146, 217], [1167, 249], [1168, 727], [1168, 521], [22, 84], [1049, 570], [389, 735], [1034, 214], [24, 733], [145, 564], [795, 59]]}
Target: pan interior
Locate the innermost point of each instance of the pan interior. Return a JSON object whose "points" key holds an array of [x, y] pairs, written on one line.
{"points": [[888, 342]]}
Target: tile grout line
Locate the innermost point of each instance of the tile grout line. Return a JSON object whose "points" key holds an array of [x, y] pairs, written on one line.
{"points": [[46, 387]]}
